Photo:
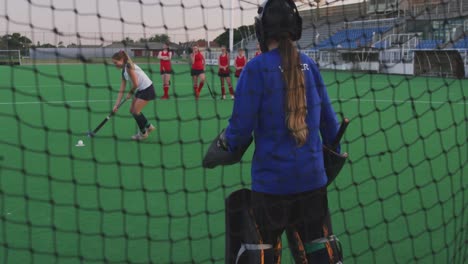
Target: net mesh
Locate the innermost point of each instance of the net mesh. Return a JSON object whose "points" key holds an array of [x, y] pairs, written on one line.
{"points": [[401, 198]]}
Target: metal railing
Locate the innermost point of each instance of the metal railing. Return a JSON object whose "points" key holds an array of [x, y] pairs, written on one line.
{"points": [[386, 22], [406, 40], [436, 9]]}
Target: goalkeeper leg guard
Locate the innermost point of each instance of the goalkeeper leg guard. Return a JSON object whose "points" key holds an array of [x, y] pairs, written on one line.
{"points": [[259, 253], [244, 243], [278, 248], [324, 250], [295, 245]]}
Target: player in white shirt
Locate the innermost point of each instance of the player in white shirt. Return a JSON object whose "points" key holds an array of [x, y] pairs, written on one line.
{"points": [[141, 86]]}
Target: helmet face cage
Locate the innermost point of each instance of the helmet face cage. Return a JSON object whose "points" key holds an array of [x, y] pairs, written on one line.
{"points": [[259, 27], [277, 25]]}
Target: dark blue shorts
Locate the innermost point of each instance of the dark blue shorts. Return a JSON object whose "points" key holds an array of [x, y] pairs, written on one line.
{"points": [[196, 72], [147, 94]]}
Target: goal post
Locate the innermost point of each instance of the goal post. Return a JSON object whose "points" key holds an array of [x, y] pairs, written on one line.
{"points": [[10, 57], [361, 60]]}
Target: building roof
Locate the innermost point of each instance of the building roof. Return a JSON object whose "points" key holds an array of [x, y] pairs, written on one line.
{"points": [[141, 45]]}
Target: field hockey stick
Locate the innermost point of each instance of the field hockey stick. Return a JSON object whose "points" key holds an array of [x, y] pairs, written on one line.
{"points": [[211, 91], [93, 133], [333, 161], [340, 134]]}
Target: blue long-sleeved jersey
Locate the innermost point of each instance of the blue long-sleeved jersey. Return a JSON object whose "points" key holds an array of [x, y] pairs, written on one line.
{"points": [[279, 166]]}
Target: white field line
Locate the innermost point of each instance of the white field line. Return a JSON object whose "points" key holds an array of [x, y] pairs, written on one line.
{"points": [[89, 101], [94, 85], [397, 101], [189, 98], [53, 102]]}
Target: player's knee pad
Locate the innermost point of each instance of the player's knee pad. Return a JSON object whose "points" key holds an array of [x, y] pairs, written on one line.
{"points": [[324, 250]]}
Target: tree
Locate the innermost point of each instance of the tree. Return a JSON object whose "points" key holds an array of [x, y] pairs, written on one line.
{"points": [[46, 45], [15, 41], [127, 41], [186, 46], [240, 33], [161, 38]]}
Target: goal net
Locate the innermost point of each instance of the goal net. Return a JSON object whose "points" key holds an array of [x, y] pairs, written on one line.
{"points": [[394, 68]]}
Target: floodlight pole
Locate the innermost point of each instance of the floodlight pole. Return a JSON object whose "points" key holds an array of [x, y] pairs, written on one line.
{"points": [[231, 26]]}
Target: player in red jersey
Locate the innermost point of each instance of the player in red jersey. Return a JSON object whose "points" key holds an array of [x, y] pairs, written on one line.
{"points": [[240, 62], [224, 72], [198, 70], [258, 51], [165, 68]]}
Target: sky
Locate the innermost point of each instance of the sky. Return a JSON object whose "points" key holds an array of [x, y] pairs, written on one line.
{"points": [[113, 20]]}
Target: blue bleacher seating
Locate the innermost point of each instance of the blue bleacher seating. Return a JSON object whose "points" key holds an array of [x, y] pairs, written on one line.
{"points": [[351, 38], [429, 44], [462, 44]]}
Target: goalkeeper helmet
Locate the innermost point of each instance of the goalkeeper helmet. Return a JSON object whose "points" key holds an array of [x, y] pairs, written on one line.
{"points": [[276, 17]]}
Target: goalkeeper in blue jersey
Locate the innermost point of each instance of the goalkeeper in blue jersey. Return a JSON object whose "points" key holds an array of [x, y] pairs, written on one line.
{"points": [[281, 99]]}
